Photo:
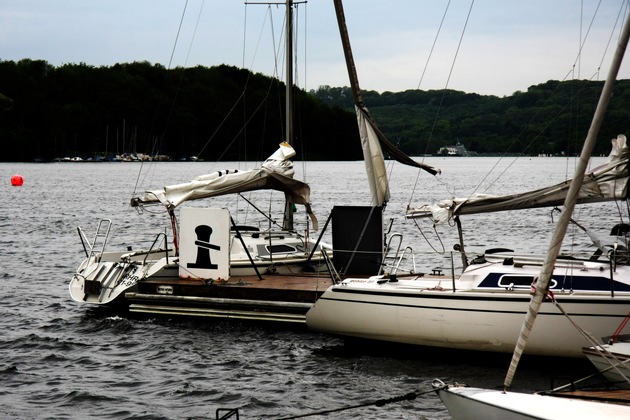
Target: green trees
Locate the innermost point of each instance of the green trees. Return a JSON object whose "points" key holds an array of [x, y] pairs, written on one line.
{"points": [[550, 118], [215, 113], [227, 113]]}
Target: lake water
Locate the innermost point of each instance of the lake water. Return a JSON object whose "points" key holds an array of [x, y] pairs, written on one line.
{"points": [[59, 359]]}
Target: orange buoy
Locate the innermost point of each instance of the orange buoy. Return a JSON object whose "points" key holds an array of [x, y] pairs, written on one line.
{"points": [[17, 180]]}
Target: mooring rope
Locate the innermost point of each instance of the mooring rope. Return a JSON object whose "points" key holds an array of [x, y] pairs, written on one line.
{"points": [[378, 403]]}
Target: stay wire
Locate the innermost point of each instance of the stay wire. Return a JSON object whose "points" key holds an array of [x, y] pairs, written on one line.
{"points": [[247, 120], [450, 73], [426, 65], [179, 29]]}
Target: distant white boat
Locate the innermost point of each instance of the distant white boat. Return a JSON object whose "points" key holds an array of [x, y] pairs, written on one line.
{"points": [[456, 150]]}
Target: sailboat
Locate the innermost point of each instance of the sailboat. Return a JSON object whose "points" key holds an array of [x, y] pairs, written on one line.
{"points": [[209, 248], [612, 360], [483, 307], [463, 402]]}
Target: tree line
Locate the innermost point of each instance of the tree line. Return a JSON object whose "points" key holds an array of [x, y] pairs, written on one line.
{"points": [[550, 118], [227, 113]]}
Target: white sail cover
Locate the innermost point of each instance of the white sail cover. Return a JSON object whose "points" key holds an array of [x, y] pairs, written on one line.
{"points": [[605, 183], [374, 161], [276, 173], [373, 142]]}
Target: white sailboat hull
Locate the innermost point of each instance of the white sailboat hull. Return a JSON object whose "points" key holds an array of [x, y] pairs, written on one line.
{"points": [[427, 311], [475, 403], [105, 278], [618, 355]]}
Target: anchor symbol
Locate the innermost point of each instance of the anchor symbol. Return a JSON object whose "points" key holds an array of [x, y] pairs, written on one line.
{"points": [[203, 248]]}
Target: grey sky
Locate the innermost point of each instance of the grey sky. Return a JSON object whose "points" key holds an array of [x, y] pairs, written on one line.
{"points": [[507, 46]]}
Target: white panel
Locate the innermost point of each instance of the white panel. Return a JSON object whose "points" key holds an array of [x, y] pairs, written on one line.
{"points": [[204, 249]]}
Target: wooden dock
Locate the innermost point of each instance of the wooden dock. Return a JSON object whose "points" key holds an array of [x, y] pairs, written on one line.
{"points": [[275, 298]]}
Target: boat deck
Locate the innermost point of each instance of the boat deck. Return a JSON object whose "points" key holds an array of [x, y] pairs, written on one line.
{"points": [[275, 298], [616, 396]]}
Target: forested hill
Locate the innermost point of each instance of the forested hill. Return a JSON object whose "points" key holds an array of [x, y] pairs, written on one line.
{"points": [[227, 113], [549, 118]]}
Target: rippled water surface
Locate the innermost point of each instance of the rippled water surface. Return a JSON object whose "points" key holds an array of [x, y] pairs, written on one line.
{"points": [[59, 359]]}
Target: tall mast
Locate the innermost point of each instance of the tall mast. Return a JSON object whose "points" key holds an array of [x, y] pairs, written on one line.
{"points": [[287, 223], [289, 72], [347, 51], [541, 283]]}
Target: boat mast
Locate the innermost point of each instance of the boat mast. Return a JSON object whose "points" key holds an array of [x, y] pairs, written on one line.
{"points": [[541, 283], [287, 223], [347, 52]]}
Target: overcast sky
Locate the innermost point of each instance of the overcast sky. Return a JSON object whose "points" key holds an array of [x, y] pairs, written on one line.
{"points": [[507, 45]]}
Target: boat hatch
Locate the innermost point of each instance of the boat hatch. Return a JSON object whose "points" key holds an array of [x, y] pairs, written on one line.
{"points": [[280, 249], [510, 282]]}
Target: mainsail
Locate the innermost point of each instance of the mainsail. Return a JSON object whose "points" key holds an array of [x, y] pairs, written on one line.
{"points": [[276, 173], [605, 183]]}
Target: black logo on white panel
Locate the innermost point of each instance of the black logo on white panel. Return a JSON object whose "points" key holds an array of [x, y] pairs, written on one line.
{"points": [[204, 246]]}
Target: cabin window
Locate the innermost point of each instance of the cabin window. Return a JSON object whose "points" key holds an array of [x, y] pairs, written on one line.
{"points": [[510, 281]]}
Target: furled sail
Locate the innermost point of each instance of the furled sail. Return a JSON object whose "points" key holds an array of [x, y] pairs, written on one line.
{"points": [[373, 158], [606, 182], [276, 173], [373, 141]]}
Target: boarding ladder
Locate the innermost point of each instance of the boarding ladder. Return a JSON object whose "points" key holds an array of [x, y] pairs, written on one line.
{"points": [[102, 233], [398, 257]]}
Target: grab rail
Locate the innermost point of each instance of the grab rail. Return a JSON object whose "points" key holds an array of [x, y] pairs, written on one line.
{"points": [[334, 275], [153, 244], [387, 246], [402, 256]]}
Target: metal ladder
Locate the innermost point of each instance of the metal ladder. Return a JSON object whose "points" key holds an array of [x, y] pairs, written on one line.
{"points": [[398, 257], [102, 231]]}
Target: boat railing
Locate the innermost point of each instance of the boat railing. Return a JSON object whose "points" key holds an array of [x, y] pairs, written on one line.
{"points": [[334, 275], [102, 232], [408, 251], [155, 241], [386, 252]]}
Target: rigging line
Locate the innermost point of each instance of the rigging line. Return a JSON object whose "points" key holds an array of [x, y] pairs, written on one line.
{"points": [[242, 96], [593, 341], [612, 32], [271, 83], [450, 73], [426, 65], [537, 136], [578, 59], [415, 220], [437, 113], [181, 77], [181, 21], [265, 215]]}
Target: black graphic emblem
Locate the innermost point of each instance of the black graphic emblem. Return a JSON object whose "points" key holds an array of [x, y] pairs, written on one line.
{"points": [[203, 248]]}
